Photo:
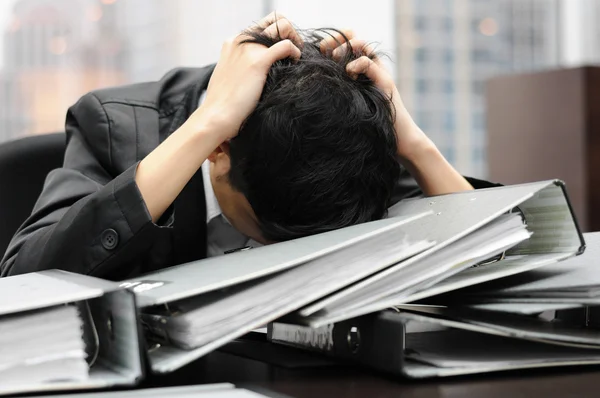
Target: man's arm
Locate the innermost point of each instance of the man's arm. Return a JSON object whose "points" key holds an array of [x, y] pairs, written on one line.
{"points": [[430, 168], [81, 201], [417, 152]]}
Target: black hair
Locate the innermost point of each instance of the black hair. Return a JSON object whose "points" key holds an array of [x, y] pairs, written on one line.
{"points": [[319, 152]]}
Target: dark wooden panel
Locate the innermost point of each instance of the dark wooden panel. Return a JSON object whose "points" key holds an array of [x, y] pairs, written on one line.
{"points": [[592, 146], [537, 128]]}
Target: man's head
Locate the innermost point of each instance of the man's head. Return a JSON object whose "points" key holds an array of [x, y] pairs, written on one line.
{"points": [[318, 153]]}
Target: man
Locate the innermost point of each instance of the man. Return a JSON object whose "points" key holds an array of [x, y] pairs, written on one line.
{"points": [[156, 174]]}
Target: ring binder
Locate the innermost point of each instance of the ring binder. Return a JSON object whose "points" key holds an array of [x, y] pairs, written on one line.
{"points": [[112, 325], [94, 332]]}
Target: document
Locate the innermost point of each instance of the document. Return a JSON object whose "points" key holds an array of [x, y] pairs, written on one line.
{"points": [[554, 332], [396, 284], [42, 346], [577, 279], [463, 349]]}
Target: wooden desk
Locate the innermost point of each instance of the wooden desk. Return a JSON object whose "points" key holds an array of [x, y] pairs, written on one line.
{"points": [[312, 377]]}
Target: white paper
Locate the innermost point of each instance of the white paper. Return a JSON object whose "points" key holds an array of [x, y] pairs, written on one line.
{"points": [[41, 347], [492, 239], [576, 277], [469, 350]]}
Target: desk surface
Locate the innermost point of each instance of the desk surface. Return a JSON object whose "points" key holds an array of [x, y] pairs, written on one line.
{"points": [[303, 379]]}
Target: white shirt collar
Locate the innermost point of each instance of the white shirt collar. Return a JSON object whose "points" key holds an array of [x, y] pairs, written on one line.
{"points": [[212, 205], [213, 210]]}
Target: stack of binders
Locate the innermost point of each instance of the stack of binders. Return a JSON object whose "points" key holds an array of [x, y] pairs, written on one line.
{"points": [[549, 316], [331, 287], [427, 247]]}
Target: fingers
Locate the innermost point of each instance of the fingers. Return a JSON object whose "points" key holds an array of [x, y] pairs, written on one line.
{"points": [[269, 19], [334, 39], [281, 50], [365, 66], [358, 46], [283, 29]]}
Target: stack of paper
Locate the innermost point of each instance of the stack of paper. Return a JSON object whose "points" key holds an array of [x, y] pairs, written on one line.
{"points": [[450, 265], [43, 346], [456, 351], [575, 282], [417, 277], [567, 285]]}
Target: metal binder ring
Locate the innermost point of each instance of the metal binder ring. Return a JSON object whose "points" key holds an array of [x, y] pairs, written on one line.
{"points": [[94, 333]]}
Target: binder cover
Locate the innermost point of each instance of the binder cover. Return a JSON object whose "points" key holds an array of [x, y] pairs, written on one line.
{"points": [[113, 319]]}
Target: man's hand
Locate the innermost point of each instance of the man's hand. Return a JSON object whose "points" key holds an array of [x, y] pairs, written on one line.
{"points": [[409, 135], [239, 77], [417, 152]]}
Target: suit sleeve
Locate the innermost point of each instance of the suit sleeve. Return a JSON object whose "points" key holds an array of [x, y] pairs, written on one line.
{"points": [[406, 187], [86, 220]]}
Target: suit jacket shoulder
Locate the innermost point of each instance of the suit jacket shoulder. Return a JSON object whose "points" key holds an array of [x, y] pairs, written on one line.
{"points": [[95, 196], [124, 124], [163, 95]]}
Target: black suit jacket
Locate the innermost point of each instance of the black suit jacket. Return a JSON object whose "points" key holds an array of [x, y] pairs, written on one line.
{"points": [[90, 217]]}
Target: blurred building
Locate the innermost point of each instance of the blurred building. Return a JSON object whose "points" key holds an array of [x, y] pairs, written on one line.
{"points": [[54, 51], [14, 116], [57, 50], [440, 51], [149, 33], [447, 49]]}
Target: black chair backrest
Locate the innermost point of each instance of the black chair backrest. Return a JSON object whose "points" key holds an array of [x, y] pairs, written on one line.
{"points": [[24, 164]]}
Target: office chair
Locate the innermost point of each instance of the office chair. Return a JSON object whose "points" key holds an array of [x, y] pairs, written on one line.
{"points": [[24, 164]]}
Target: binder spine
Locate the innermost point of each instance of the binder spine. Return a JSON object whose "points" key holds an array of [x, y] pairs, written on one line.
{"points": [[375, 340]]}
